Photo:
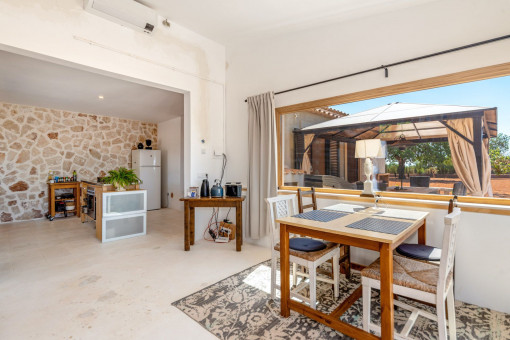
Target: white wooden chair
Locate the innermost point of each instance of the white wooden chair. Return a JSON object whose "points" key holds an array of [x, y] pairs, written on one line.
{"points": [[284, 206], [421, 281]]}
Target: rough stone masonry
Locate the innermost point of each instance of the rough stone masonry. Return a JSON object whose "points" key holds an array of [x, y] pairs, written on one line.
{"points": [[35, 141]]}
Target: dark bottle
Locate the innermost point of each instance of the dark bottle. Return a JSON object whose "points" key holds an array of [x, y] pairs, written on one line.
{"points": [[204, 190], [75, 176]]}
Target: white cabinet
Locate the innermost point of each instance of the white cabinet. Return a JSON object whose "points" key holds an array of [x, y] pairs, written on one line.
{"points": [[124, 214]]}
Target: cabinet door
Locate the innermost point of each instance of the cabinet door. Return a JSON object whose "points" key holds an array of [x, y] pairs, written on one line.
{"points": [[126, 226], [124, 202]]}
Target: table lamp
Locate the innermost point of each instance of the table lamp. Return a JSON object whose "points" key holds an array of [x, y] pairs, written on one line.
{"points": [[369, 148]]}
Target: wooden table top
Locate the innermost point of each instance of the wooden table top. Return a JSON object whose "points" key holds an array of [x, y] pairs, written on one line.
{"points": [[213, 199], [338, 226]]}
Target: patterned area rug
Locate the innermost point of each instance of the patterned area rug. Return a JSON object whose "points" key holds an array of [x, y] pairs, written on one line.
{"points": [[240, 307]]}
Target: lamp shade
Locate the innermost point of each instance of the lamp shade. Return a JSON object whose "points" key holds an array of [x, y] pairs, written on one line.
{"points": [[370, 148]]}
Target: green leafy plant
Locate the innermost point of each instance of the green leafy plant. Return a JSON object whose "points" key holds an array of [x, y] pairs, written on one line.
{"points": [[121, 178]]}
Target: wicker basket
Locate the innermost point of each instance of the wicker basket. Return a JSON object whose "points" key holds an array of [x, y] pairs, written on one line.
{"points": [[232, 228]]}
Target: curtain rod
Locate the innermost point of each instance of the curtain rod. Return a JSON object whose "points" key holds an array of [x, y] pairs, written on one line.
{"points": [[385, 67]]}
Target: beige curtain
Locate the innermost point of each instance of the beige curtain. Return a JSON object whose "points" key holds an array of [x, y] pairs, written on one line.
{"points": [[306, 165], [464, 160], [262, 180]]}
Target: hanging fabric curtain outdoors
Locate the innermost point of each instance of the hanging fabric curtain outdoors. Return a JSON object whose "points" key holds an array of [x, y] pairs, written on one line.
{"points": [[306, 165], [464, 159], [262, 162]]}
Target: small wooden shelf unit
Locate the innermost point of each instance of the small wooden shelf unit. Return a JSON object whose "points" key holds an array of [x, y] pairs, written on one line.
{"points": [[51, 197]]}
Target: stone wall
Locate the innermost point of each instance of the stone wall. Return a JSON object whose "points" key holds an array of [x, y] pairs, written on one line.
{"points": [[34, 141]]}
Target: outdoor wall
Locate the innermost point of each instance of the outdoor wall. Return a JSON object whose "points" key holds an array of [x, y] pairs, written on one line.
{"points": [[298, 120], [284, 62], [170, 144], [35, 141], [171, 58]]}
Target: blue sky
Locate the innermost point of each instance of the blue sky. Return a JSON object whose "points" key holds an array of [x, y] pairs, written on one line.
{"points": [[488, 93]]}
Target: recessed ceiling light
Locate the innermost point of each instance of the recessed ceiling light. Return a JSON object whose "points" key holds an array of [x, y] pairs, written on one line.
{"points": [[100, 96]]}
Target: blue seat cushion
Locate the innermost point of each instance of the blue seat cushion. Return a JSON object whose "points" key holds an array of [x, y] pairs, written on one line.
{"points": [[419, 252], [306, 244]]}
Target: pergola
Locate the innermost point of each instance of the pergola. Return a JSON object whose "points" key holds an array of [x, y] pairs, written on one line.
{"points": [[419, 123]]}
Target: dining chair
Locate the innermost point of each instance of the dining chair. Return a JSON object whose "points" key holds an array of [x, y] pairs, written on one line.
{"points": [[345, 250], [423, 252], [419, 281], [306, 252]]}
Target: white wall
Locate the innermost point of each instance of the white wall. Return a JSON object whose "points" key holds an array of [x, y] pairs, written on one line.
{"points": [[171, 58], [292, 60], [170, 140]]}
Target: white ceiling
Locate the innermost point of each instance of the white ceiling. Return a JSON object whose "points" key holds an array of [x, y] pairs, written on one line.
{"points": [[30, 81], [226, 21]]}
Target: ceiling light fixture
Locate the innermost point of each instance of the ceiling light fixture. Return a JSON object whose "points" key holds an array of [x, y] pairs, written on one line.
{"points": [[100, 96]]}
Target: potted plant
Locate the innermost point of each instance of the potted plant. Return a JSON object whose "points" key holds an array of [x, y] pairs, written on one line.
{"points": [[121, 178]]}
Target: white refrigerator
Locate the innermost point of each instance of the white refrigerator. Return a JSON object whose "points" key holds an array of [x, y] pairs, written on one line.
{"points": [[147, 166]]}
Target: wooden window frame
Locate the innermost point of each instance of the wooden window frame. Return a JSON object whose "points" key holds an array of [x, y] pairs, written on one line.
{"points": [[462, 77]]}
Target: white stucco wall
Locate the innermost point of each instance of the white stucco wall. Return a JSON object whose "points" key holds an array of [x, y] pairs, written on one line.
{"points": [[292, 60], [172, 154]]}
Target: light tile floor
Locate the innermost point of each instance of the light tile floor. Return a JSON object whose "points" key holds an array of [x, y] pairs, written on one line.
{"points": [[57, 281]]}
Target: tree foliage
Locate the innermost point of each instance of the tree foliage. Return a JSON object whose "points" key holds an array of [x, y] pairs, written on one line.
{"points": [[423, 158], [434, 158], [498, 154]]}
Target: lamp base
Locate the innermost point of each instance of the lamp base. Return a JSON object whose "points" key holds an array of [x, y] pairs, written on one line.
{"points": [[368, 189]]}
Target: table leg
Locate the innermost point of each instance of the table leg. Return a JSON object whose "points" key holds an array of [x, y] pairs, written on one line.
{"points": [[192, 225], [387, 313], [186, 225], [422, 233], [239, 226], [52, 202], [284, 271], [77, 201]]}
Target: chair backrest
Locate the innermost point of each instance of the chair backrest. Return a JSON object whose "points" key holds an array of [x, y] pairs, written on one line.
{"points": [[301, 194], [459, 189], [279, 206], [448, 249]]}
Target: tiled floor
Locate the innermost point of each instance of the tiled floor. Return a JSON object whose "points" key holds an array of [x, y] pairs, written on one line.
{"points": [[57, 281]]}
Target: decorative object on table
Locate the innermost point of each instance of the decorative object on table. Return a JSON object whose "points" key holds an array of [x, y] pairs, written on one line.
{"points": [[140, 146], [121, 178], [367, 149], [233, 189], [193, 192], [204, 190], [217, 189], [148, 142]]}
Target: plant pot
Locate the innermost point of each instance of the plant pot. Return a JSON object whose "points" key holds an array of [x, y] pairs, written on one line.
{"points": [[118, 187]]}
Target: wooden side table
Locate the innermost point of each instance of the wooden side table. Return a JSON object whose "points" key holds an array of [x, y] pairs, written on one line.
{"points": [[66, 185], [211, 202]]}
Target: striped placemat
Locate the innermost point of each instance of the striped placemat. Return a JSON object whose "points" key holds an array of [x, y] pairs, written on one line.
{"points": [[321, 215], [380, 225]]}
